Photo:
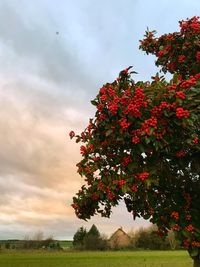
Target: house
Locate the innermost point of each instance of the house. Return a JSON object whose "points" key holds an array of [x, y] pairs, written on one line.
{"points": [[119, 239]]}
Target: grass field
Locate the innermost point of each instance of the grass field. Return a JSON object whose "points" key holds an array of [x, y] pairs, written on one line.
{"points": [[65, 243], [96, 259]]}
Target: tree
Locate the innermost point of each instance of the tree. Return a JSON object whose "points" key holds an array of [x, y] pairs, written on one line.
{"points": [[79, 237], [7, 245], [148, 239], [37, 241], [38, 236], [94, 231], [90, 240], [143, 145], [93, 240]]}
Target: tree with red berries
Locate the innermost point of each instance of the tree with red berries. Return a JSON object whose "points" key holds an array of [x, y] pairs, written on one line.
{"points": [[143, 147]]}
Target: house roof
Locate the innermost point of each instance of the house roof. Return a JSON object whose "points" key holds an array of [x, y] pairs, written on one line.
{"points": [[119, 230]]}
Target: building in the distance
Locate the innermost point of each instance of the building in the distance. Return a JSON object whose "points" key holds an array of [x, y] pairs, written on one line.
{"points": [[119, 239]]}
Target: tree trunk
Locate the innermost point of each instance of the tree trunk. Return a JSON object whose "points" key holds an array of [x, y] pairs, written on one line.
{"points": [[196, 262]]}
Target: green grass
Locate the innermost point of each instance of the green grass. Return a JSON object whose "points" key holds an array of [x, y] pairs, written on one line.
{"points": [[96, 259], [65, 243]]}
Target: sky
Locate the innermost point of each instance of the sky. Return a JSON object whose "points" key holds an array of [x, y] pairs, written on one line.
{"points": [[54, 57]]}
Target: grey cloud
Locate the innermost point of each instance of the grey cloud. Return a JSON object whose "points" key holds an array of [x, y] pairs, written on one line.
{"points": [[53, 54]]}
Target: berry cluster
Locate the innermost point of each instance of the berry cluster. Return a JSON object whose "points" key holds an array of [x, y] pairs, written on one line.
{"points": [[176, 52], [195, 140], [143, 176], [188, 83], [110, 194], [126, 161], [180, 154], [134, 188], [113, 107], [122, 182], [175, 215], [95, 196], [135, 139], [124, 124], [111, 91], [83, 150], [196, 244], [198, 55], [192, 25], [190, 228], [103, 90], [103, 98], [180, 94], [133, 110], [182, 113], [176, 227]]}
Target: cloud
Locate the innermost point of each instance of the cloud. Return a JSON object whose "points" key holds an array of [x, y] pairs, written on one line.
{"points": [[35, 143], [31, 40]]}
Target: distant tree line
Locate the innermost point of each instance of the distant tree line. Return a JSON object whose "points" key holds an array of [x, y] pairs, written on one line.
{"points": [[144, 238], [48, 243], [31, 243]]}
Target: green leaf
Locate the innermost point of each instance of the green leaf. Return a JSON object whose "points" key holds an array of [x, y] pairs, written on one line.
{"points": [[175, 78], [186, 233], [141, 148], [193, 89], [172, 223], [157, 145], [194, 252], [151, 130], [94, 103], [146, 216], [147, 140], [124, 189], [165, 113], [149, 182], [109, 132], [132, 165]]}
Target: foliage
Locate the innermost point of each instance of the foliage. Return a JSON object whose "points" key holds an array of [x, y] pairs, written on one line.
{"points": [[176, 52], [90, 240], [143, 238], [93, 242], [143, 143], [48, 243], [79, 237], [30, 244], [94, 231], [7, 245], [147, 238]]}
